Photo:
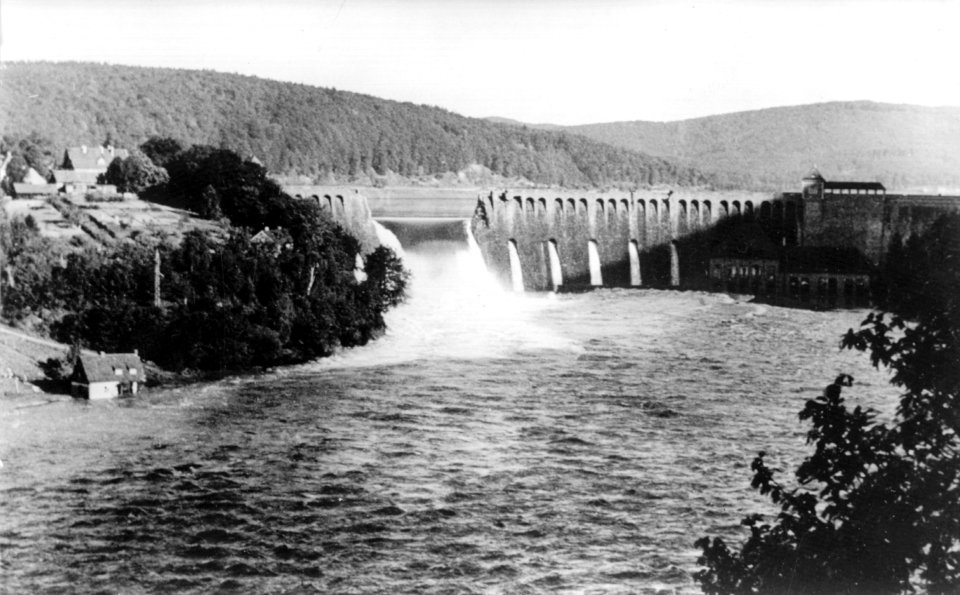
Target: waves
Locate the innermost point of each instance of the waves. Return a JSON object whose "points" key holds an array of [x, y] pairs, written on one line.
{"points": [[555, 444]]}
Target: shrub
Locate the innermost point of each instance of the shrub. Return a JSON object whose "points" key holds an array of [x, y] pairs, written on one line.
{"points": [[878, 507]]}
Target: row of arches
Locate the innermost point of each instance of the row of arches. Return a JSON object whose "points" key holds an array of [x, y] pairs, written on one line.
{"points": [[671, 217], [334, 204]]}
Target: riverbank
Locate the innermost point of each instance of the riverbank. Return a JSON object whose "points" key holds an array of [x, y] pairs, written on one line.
{"points": [[22, 377], [21, 374]]}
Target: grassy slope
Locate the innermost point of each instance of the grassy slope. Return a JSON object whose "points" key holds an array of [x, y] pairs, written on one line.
{"points": [[899, 145], [21, 353]]}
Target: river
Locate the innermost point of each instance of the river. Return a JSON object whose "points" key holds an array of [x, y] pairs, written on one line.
{"points": [[491, 442]]}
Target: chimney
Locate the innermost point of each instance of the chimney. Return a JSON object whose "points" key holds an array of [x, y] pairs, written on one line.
{"points": [[100, 353], [83, 148], [136, 352]]}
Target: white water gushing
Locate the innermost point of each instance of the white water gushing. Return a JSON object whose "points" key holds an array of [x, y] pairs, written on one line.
{"points": [[635, 276], [674, 265], [596, 275], [516, 272], [455, 308], [556, 272], [388, 239]]}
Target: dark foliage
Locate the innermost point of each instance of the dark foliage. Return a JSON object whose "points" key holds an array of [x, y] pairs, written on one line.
{"points": [[300, 129], [878, 510], [224, 305], [160, 150], [135, 173], [32, 150]]}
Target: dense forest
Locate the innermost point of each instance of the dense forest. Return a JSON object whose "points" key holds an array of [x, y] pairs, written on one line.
{"points": [[222, 303], [902, 146], [326, 134]]}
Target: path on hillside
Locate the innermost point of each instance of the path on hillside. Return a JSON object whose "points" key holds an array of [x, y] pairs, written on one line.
{"points": [[32, 339]]}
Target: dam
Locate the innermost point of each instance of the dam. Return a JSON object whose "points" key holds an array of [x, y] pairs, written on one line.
{"points": [[824, 242]]}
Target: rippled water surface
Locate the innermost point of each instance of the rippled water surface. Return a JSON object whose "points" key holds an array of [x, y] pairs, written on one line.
{"points": [[488, 443]]}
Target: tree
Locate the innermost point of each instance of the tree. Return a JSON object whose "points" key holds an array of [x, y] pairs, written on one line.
{"points": [[161, 150], [226, 303], [17, 168], [136, 173], [878, 507], [386, 276], [209, 204], [31, 151]]}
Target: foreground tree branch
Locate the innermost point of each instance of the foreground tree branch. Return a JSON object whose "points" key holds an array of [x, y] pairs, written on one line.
{"points": [[877, 507]]}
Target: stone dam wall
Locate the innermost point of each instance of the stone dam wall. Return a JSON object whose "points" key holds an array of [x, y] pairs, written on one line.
{"points": [[346, 206], [547, 239], [573, 239], [569, 239]]}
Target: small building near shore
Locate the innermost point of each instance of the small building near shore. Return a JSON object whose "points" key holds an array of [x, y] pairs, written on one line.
{"points": [[107, 375]]}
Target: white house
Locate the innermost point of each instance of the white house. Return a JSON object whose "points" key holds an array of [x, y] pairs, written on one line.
{"points": [[107, 375]]}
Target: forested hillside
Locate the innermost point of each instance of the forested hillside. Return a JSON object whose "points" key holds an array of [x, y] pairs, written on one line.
{"points": [[902, 146], [297, 129]]}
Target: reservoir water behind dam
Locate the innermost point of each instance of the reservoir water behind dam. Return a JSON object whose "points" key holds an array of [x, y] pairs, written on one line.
{"points": [[490, 443]]}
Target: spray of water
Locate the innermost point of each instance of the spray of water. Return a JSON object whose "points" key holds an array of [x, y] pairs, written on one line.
{"points": [[556, 271], [516, 272], [455, 308], [596, 275]]}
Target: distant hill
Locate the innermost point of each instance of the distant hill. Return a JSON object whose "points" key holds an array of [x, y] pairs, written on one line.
{"points": [[512, 122], [902, 146], [298, 129]]}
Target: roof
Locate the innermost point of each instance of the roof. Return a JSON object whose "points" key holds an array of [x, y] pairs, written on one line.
{"points": [[33, 177], [263, 237], [103, 367], [20, 189], [72, 176], [813, 175], [854, 186], [92, 158]]}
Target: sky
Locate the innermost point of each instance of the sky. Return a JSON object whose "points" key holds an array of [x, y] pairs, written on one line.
{"points": [[539, 61]]}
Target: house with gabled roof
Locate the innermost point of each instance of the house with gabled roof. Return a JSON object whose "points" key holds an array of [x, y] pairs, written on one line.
{"points": [[274, 240], [73, 181], [107, 375], [264, 237], [93, 159]]}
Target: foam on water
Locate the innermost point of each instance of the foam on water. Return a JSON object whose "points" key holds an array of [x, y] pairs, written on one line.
{"points": [[455, 309]]}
